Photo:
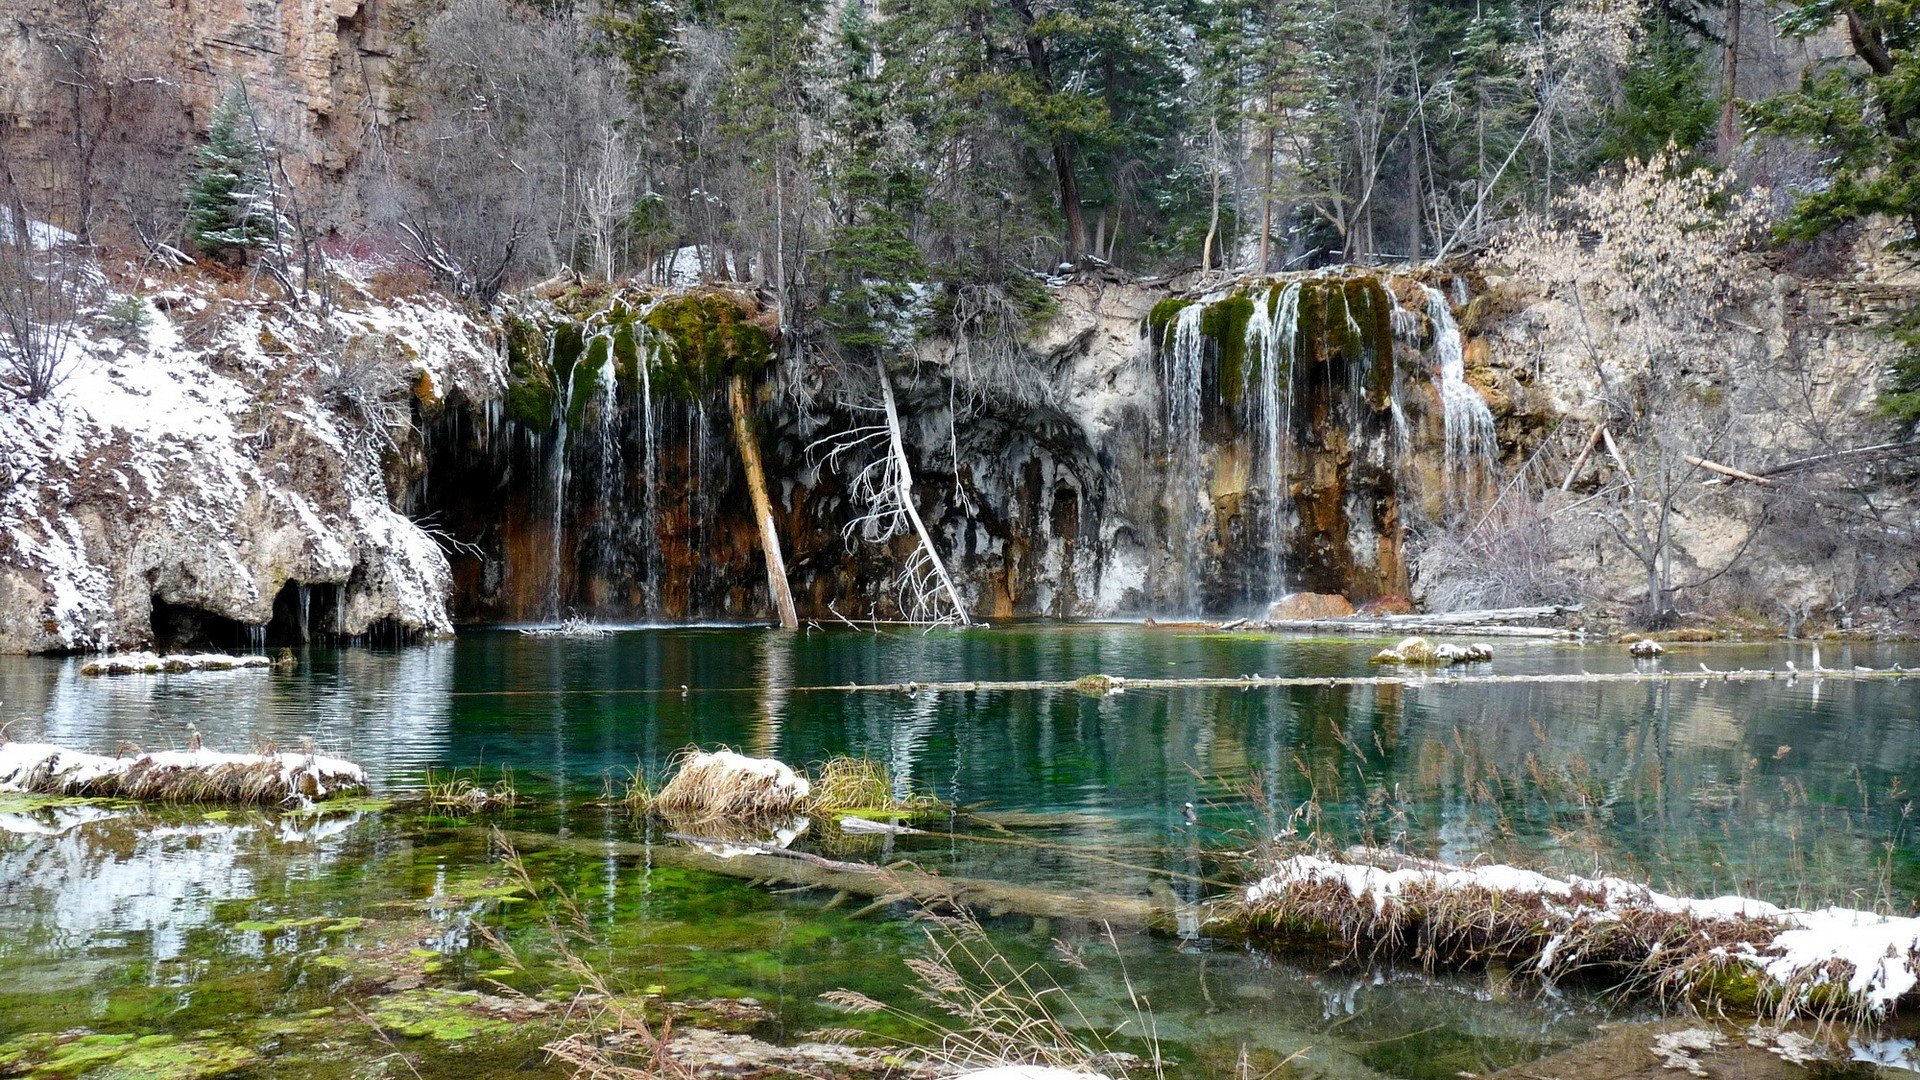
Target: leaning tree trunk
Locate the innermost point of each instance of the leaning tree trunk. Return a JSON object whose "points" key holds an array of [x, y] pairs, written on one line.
{"points": [[905, 480], [749, 446]]}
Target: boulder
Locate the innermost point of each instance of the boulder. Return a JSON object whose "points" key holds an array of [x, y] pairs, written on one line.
{"points": [[1310, 605]]}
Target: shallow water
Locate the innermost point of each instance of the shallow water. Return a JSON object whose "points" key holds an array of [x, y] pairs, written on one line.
{"points": [[211, 929]]}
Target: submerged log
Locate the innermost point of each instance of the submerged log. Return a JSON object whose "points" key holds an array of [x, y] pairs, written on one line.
{"points": [[899, 882], [749, 446]]}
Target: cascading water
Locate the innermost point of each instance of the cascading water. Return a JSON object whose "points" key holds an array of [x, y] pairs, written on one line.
{"points": [[557, 472], [1182, 356], [1470, 443], [645, 346], [1306, 382], [1267, 387]]}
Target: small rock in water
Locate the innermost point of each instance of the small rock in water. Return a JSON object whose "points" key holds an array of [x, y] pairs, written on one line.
{"points": [[1645, 648], [1419, 652]]}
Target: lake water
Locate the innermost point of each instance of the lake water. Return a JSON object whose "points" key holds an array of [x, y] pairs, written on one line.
{"points": [[268, 938]]}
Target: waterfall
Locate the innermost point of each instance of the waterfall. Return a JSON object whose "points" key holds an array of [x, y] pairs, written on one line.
{"points": [[644, 348], [557, 478], [1267, 388], [1182, 357], [1470, 444]]}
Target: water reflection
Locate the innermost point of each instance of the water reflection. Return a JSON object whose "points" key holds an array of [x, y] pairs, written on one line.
{"points": [[1696, 784]]}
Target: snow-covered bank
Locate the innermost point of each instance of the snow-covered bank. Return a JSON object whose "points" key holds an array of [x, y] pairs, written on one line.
{"points": [[146, 663], [178, 775], [1787, 960], [240, 446]]}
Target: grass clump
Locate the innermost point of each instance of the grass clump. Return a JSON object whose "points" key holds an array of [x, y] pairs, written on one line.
{"points": [[723, 785], [846, 785], [465, 793]]}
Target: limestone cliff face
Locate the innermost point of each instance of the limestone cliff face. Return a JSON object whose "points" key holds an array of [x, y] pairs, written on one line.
{"points": [[231, 479], [317, 70], [1790, 369]]}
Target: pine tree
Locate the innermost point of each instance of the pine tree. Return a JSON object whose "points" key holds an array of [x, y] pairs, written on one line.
{"points": [[871, 260], [1863, 118], [229, 195]]}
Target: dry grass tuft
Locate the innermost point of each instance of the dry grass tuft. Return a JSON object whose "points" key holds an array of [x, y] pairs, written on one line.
{"points": [[726, 786], [1001, 1013], [192, 776], [465, 793], [862, 785]]}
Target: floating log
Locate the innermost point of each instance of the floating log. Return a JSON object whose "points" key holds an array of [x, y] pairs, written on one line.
{"points": [[1117, 684]]}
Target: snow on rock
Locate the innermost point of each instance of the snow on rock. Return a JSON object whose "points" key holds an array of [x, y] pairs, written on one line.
{"points": [[146, 663], [1874, 957], [232, 452], [178, 775]]}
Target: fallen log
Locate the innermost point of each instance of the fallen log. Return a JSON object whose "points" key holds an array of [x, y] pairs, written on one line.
{"points": [[1593, 442], [897, 882], [1732, 951], [748, 445], [1725, 470]]}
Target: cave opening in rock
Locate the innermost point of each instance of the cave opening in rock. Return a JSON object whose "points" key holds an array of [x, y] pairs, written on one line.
{"points": [[185, 628], [304, 614]]}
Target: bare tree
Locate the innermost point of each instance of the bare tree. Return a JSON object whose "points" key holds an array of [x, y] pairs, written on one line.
{"points": [[883, 486], [1646, 261], [43, 283]]}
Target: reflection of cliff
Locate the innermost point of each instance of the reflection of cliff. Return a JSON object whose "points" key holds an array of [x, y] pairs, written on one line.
{"points": [[126, 882], [387, 711]]}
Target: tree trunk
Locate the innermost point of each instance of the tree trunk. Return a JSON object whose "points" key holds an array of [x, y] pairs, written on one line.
{"points": [[749, 445], [1729, 83], [1076, 239], [899, 451], [1213, 213]]}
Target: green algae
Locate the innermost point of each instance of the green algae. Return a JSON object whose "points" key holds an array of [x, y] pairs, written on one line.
{"points": [[440, 1015], [324, 924]]}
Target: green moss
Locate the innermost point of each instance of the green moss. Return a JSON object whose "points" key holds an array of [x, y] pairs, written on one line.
{"points": [[1163, 315], [1371, 334], [586, 378], [1310, 326], [33, 1046], [441, 1015], [160, 1057], [706, 338], [1225, 324]]}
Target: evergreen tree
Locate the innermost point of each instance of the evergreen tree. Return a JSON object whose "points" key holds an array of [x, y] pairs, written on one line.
{"points": [[1862, 116], [230, 208], [1667, 100], [872, 264]]}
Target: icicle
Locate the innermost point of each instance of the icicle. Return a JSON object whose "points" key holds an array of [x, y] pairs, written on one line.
{"points": [[1470, 443]]}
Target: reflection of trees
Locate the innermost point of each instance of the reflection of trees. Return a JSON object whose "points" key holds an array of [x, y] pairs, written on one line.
{"points": [[387, 710], [153, 886]]}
